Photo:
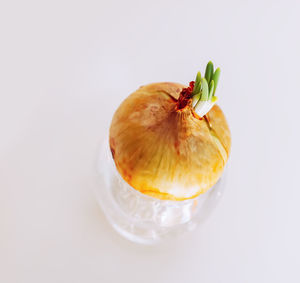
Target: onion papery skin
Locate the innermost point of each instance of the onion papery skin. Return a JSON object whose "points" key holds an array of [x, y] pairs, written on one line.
{"points": [[166, 152]]}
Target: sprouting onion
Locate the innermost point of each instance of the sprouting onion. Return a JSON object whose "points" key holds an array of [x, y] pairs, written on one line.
{"points": [[170, 141]]}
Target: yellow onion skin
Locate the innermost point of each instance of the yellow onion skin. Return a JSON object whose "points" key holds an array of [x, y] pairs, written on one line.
{"points": [[166, 152]]}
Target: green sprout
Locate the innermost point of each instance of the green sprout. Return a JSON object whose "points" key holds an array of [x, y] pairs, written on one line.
{"points": [[215, 78], [204, 89], [209, 71]]}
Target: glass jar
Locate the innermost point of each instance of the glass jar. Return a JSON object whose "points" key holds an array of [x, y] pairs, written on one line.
{"points": [[142, 218]]}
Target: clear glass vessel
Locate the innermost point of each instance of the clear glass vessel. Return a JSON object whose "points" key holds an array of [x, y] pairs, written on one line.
{"points": [[144, 219]]}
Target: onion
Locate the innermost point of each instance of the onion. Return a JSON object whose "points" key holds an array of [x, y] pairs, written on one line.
{"points": [[162, 147]]}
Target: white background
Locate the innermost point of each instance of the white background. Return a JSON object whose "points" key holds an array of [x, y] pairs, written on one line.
{"points": [[66, 65]]}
